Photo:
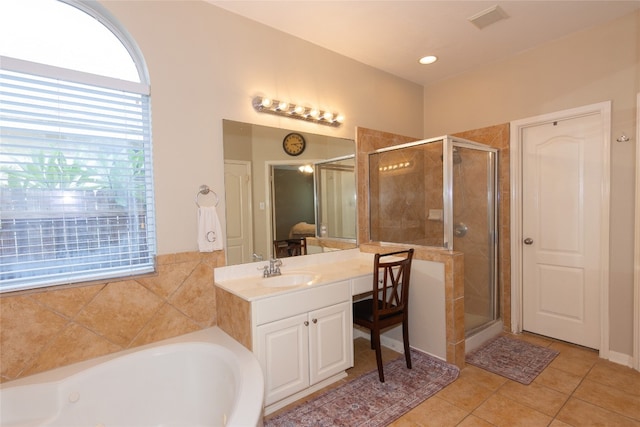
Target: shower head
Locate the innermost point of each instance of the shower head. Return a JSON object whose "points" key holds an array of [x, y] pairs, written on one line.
{"points": [[457, 158]]}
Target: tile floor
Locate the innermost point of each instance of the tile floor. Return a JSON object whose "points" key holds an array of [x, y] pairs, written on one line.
{"points": [[576, 389]]}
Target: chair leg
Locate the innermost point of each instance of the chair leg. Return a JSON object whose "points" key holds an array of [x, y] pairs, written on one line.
{"points": [[379, 356], [405, 339]]}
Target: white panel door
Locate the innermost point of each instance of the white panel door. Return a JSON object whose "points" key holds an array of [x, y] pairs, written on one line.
{"points": [[283, 353], [561, 195], [237, 186], [330, 341]]}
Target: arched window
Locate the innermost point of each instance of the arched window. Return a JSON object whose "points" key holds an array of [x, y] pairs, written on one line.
{"points": [[76, 175]]}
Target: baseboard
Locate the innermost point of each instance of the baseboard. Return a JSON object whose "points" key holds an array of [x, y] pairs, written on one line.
{"points": [[394, 345], [621, 358]]}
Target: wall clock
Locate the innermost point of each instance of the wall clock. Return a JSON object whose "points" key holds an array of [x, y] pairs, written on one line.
{"points": [[294, 144]]}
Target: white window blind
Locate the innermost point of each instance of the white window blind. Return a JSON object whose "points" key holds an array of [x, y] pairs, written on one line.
{"points": [[76, 184]]}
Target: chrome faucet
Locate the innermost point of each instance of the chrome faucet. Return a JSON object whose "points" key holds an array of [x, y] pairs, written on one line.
{"points": [[273, 269]]}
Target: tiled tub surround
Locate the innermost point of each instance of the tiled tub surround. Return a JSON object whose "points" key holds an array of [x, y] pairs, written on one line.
{"points": [[219, 383], [52, 327]]}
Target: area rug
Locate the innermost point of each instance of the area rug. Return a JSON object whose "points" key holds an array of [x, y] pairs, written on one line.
{"points": [[366, 401], [512, 358]]}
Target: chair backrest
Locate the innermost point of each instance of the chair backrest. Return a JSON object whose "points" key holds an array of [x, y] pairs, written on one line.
{"points": [[391, 277], [303, 246], [289, 247]]}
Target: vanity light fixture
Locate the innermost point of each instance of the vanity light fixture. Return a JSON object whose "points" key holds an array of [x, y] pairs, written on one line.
{"points": [[282, 108], [306, 169]]}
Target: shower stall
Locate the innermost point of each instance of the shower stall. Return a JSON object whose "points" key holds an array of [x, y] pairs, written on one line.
{"points": [[443, 192]]}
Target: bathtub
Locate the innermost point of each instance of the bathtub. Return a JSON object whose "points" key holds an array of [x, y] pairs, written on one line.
{"points": [[200, 379]]}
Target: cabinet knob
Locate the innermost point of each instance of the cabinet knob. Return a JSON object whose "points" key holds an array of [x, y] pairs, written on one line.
{"points": [[306, 323], [315, 320]]}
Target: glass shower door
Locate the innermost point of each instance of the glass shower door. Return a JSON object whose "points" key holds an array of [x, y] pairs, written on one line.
{"points": [[474, 203]]}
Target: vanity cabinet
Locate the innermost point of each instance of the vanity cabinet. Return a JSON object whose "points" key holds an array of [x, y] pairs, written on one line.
{"points": [[303, 338]]}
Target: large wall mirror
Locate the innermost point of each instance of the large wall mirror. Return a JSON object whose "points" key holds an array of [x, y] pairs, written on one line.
{"points": [[274, 196]]}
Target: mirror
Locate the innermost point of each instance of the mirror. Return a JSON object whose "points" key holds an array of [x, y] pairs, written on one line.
{"points": [[336, 198], [268, 196]]}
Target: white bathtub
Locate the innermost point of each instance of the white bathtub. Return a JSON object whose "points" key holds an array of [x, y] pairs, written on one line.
{"points": [[200, 379]]}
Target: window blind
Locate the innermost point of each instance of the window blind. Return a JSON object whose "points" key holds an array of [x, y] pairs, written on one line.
{"points": [[76, 182]]}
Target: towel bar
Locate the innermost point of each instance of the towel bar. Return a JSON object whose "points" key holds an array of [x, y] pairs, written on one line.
{"points": [[204, 189]]}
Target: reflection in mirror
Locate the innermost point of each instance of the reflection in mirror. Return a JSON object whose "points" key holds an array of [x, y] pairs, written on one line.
{"points": [[253, 155], [336, 198], [292, 195]]}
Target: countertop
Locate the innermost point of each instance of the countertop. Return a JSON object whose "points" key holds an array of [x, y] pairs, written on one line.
{"points": [[246, 281]]}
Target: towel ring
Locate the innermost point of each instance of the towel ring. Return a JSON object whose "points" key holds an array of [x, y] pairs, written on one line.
{"points": [[204, 189]]}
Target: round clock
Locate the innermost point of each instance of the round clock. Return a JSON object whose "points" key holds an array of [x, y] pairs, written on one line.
{"points": [[294, 144]]}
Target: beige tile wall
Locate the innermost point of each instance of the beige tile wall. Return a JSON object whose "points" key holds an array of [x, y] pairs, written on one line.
{"points": [[52, 327], [498, 137]]}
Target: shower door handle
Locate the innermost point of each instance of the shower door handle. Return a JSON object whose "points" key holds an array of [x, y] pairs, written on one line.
{"points": [[528, 241]]}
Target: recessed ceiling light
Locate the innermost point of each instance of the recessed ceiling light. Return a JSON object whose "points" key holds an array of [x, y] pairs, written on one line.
{"points": [[428, 59]]}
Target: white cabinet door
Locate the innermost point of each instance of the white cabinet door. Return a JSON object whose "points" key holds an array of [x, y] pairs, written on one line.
{"points": [[330, 341], [283, 352]]}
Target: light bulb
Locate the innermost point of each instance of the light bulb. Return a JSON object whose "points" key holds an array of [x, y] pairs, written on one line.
{"points": [[299, 109], [340, 118], [327, 116], [314, 113], [266, 102], [282, 106]]}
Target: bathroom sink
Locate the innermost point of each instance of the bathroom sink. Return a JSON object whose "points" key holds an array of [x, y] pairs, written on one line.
{"points": [[289, 280]]}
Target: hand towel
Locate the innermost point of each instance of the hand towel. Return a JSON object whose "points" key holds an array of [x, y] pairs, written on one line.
{"points": [[209, 230]]}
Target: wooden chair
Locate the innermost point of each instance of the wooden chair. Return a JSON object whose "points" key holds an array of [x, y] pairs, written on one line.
{"points": [[391, 275], [289, 247]]}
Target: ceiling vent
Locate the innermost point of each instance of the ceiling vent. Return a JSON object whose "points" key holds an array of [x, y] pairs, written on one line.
{"points": [[488, 16]]}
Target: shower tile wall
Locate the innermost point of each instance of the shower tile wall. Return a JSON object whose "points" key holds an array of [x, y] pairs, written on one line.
{"points": [[470, 207], [404, 196], [45, 329], [434, 235], [368, 140], [498, 137]]}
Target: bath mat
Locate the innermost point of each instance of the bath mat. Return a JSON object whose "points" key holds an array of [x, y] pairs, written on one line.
{"points": [[512, 358], [366, 401]]}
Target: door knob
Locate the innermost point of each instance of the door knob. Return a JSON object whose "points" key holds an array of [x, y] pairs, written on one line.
{"points": [[528, 241]]}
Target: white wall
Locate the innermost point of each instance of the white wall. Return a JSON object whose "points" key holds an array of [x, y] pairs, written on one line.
{"points": [[595, 65], [427, 311], [207, 64]]}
